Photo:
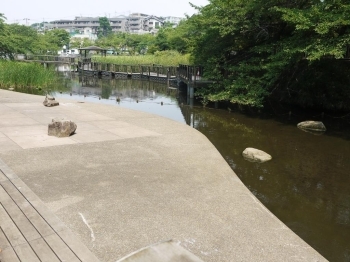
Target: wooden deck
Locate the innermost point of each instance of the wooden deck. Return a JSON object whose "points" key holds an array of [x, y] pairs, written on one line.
{"points": [[29, 231]]}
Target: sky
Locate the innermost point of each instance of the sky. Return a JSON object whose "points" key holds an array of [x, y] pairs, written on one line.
{"points": [[35, 11]]}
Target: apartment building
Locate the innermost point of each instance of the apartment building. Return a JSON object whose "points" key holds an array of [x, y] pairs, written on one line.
{"points": [[173, 20], [152, 23], [134, 23]]}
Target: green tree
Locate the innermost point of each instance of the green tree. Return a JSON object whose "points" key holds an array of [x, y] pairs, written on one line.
{"points": [[58, 38], [162, 41], [255, 49], [105, 28], [179, 38], [80, 42], [6, 49], [16, 38], [134, 43]]}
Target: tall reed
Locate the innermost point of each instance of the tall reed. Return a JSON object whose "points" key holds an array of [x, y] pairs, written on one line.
{"points": [[20, 74], [165, 58]]}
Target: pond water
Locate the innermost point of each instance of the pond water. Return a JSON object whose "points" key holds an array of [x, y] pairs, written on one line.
{"points": [[306, 185]]}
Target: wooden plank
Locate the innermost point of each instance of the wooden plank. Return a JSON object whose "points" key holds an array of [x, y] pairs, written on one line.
{"points": [[18, 204], [8, 255], [17, 216], [62, 251], [24, 189], [82, 252], [8, 172], [4, 243], [43, 251], [26, 253], [4, 197], [39, 206], [35, 218], [3, 177], [9, 229]]}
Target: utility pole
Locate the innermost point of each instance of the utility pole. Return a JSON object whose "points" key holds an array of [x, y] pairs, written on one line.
{"points": [[26, 20]]}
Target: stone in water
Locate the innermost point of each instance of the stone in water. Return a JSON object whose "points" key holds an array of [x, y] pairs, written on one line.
{"points": [[256, 155], [312, 126]]}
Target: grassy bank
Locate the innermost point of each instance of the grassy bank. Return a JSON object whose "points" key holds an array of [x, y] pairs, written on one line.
{"points": [[165, 58], [19, 74]]}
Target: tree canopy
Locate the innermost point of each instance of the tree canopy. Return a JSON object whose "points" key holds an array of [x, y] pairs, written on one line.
{"points": [[20, 39], [105, 28], [257, 49]]}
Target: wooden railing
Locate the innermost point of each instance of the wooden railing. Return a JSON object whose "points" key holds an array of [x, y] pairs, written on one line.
{"points": [[190, 73], [51, 58], [186, 73], [154, 70]]}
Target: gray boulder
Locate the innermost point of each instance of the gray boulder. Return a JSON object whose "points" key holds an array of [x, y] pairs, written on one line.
{"points": [[61, 128], [312, 126], [255, 155], [50, 101]]}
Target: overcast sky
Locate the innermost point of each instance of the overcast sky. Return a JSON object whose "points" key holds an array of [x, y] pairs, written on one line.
{"points": [[17, 11]]}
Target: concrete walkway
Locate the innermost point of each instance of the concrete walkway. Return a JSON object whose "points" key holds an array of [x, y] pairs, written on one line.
{"points": [[128, 179]]}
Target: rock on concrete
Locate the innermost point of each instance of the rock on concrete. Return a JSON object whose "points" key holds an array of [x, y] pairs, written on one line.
{"points": [[50, 101], [255, 155], [312, 126], [61, 128]]}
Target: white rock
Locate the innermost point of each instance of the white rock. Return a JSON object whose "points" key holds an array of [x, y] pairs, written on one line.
{"points": [[312, 126], [256, 155]]}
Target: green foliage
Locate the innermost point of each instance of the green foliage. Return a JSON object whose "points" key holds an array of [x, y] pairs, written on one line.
{"points": [[20, 39], [16, 38], [105, 28], [19, 74], [162, 42], [6, 49], [80, 42], [125, 43], [169, 38], [165, 58], [57, 38], [254, 49]]}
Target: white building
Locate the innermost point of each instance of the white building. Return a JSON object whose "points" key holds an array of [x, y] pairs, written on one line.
{"points": [[134, 23], [173, 20]]}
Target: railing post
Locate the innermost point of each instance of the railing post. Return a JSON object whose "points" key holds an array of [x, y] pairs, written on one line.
{"points": [[187, 72], [168, 77]]}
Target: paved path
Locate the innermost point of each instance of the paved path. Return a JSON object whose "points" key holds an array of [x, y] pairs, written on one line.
{"points": [[128, 179]]}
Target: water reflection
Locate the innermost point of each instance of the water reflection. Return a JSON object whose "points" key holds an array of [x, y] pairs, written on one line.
{"points": [[307, 183], [151, 97]]}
